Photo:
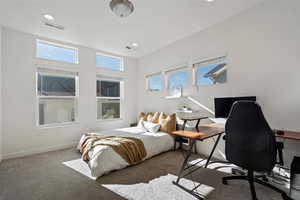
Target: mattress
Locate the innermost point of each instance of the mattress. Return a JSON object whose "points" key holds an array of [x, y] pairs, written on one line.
{"points": [[104, 159]]}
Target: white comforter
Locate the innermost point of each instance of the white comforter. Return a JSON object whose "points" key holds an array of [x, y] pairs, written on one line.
{"points": [[104, 159]]}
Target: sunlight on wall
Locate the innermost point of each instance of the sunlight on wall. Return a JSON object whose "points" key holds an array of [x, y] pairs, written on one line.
{"points": [[201, 105]]}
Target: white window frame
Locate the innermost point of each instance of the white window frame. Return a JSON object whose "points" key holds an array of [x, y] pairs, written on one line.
{"points": [[121, 98], [204, 62], [110, 56], [183, 68], [154, 75], [59, 46], [59, 73]]}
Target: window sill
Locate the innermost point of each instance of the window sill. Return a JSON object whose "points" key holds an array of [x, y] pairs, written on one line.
{"points": [[173, 97], [154, 91], [60, 125], [210, 85], [109, 120]]}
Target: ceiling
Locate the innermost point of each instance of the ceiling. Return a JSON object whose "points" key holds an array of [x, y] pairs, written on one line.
{"points": [[154, 23]]}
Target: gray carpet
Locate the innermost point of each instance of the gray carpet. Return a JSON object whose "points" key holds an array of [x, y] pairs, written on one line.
{"points": [[43, 177]]}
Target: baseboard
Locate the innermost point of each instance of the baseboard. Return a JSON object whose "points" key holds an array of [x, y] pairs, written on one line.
{"points": [[38, 150]]}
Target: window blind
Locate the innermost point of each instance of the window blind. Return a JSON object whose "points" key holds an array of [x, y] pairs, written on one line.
{"points": [[107, 77], [176, 69], [154, 74], [210, 61], [44, 70]]}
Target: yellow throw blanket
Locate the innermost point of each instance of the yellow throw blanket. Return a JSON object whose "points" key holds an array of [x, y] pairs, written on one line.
{"points": [[132, 150]]}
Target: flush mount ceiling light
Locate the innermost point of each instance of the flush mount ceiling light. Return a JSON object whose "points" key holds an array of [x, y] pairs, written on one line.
{"points": [[48, 17], [122, 8]]}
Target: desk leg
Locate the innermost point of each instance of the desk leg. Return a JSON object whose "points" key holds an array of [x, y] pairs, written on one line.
{"points": [[186, 159], [181, 172], [198, 121], [184, 123], [213, 150]]}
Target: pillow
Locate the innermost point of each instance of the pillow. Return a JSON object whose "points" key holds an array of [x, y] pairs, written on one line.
{"points": [[141, 125], [153, 118], [167, 122], [151, 127], [162, 116], [149, 117], [144, 116]]}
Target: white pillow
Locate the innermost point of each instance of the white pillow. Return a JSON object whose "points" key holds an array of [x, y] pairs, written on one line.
{"points": [[151, 127], [141, 125]]}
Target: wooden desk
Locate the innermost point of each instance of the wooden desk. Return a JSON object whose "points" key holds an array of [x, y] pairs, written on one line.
{"points": [[291, 135], [202, 133], [192, 118]]}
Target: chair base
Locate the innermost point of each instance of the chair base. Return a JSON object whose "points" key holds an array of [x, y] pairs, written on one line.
{"points": [[251, 179]]}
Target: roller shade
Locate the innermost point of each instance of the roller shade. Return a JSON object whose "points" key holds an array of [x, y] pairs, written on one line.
{"points": [[107, 77], [210, 61], [44, 70], [154, 74], [176, 69]]}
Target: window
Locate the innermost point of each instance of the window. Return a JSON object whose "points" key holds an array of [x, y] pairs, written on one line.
{"points": [[108, 98], [211, 72], [57, 52], [109, 62], [57, 97], [177, 77], [154, 82]]}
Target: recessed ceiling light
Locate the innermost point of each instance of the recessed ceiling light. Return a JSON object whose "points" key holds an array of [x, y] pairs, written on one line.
{"points": [[48, 17], [135, 44], [209, 0]]}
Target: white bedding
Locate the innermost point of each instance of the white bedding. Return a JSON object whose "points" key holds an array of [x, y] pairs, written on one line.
{"points": [[104, 159]]}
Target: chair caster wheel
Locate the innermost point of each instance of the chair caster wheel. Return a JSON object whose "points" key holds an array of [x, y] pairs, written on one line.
{"points": [[225, 182]]}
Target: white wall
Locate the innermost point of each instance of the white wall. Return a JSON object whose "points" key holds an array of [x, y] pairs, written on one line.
{"points": [[262, 45], [21, 136], [1, 145]]}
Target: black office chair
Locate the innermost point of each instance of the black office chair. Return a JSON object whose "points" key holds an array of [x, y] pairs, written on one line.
{"points": [[250, 144]]}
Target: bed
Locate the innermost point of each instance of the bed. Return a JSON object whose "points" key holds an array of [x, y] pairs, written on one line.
{"points": [[104, 159]]}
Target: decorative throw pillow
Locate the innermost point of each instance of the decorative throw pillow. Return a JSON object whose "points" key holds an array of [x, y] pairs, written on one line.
{"points": [[144, 116], [151, 127], [168, 123], [162, 116], [149, 117], [153, 118]]}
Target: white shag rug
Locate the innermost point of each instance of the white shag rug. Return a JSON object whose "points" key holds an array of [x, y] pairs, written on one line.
{"points": [[160, 188]]}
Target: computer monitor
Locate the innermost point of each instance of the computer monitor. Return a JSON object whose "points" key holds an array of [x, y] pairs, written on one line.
{"points": [[223, 105]]}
